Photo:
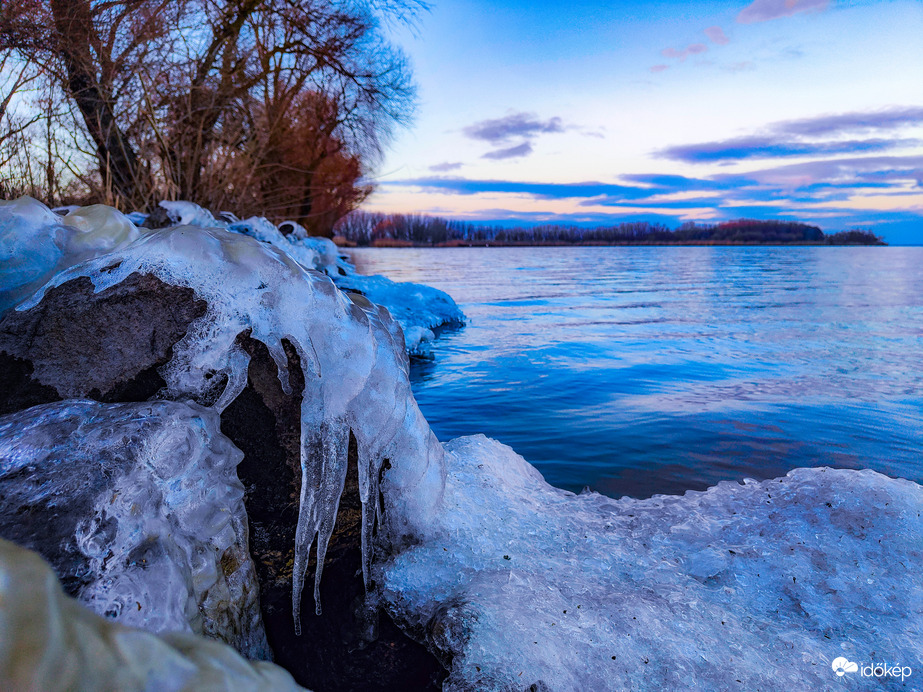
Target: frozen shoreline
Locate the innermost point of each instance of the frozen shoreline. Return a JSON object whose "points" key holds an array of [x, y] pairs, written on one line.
{"points": [[511, 582]]}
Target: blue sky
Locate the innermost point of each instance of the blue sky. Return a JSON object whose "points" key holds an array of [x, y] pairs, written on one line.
{"points": [[590, 112]]}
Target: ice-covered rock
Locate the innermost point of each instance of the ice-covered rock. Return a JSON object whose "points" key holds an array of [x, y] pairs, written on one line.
{"points": [[49, 642], [183, 213], [417, 308], [352, 360], [412, 305], [139, 509], [106, 345], [753, 586], [109, 345], [35, 242]]}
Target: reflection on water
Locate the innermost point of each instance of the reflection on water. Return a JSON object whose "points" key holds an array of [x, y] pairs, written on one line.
{"points": [[642, 370]]}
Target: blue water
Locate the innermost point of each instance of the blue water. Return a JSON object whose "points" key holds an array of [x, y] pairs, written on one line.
{"points": [[643, 370]]}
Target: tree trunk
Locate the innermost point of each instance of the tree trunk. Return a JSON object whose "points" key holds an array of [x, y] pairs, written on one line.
{"points": [[118, 163]]}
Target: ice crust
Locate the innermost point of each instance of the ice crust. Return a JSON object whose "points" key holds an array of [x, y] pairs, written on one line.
{"points": [[35, 243], [755, 586], [142, 505], [49, 642], [351, 352], [418, 309]]}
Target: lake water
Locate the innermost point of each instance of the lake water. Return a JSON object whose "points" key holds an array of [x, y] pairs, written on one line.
{"points": [[643, 370]]}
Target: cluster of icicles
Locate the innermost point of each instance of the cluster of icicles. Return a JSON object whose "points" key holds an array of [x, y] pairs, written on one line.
{"points": [[355, 374]]}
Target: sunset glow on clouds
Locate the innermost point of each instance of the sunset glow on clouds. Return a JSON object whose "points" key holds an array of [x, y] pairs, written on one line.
{"points": [[599, 113]]}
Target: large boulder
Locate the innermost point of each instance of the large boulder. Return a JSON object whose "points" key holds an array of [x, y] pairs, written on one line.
{"points": [[105, 346], [139, 509], [117, 342]]}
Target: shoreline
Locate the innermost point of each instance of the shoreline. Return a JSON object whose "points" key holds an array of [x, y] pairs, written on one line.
{"points": [[378, 244]]}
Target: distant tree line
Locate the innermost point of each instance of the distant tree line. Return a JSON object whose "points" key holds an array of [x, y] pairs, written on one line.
{"points": [[275, 107], [363, 228]]}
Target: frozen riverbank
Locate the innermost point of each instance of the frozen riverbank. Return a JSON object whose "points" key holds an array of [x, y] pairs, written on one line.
{"points": [[511, 583]]}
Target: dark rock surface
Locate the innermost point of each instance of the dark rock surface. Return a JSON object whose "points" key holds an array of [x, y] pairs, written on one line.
{"points": [[105, 346], [159, 218], [108, 346]]}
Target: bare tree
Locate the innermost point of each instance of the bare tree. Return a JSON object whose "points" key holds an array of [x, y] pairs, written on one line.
{"points": [[202, 99]]}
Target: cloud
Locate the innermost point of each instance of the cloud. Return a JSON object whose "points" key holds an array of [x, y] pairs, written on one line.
{"points": [[466, 186], [446, 167], [502, 130], [758, 147], [659, 183], [794, 137], [743, 66], [514, 152], [842, 193], [852, 171], [808, 182], [853, 122], [659, 68], [682, 54], [764, 10], [716, 35]]}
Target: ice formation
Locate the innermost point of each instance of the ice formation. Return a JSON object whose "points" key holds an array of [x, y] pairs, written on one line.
{"points": [[35, 243], [520, 585], [140, 507], [417, 308], [190, 214], [753, 586], [49, 642], [350, 350]]}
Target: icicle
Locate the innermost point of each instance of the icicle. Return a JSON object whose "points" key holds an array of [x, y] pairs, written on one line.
{"points": [[236, 371], [369, 514], [281, 361], [325, 454], [336, 460]]}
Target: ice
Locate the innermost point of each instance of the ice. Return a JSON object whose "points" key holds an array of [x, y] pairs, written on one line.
{"points": [[35, 242], [302, 250], [140, 508], [29, 251], [415, 307], [137, 217], [190, 214], [744, 586], [351, 351], [49, 642], [418, 339], [100, 229], [418, 309]]}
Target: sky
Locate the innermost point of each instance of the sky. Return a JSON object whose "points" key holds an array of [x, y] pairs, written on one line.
{"points": [[597, 113]]}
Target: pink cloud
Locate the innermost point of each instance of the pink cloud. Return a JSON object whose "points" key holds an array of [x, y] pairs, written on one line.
{"points": [[764, 10], [659, 68], [682, 54], [716, 35]]}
